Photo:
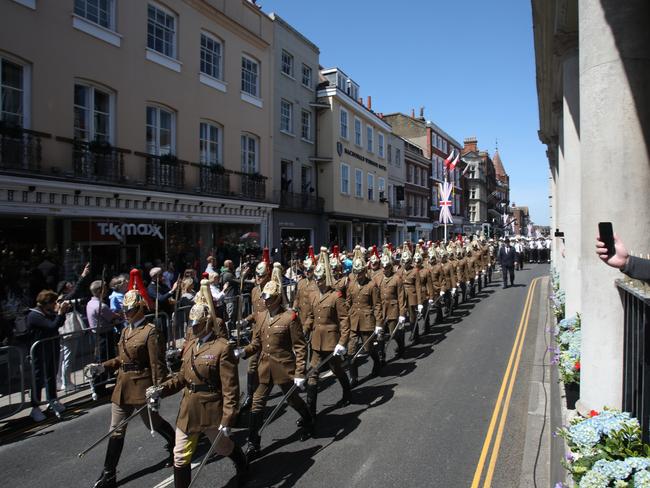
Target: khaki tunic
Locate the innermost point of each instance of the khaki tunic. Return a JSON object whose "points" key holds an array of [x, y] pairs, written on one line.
{"points": [[426, 285], [215, 362], [364, 306], [449, 276], [281, 345], [327, 319], [306, 287], [393, 298], [140, 348], [437, 279], [341, 285], [257, 302], [411, 285]]}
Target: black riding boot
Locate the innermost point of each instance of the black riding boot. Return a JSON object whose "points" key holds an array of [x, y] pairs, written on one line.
{"points": [[240, 460], [254, 439], [252, 381], [108, 478], [312, 397], [307, 421], [354, 374], [399, 339], [182, 476], [167, 432], [376, 362], [381, 350], [345, 384]]}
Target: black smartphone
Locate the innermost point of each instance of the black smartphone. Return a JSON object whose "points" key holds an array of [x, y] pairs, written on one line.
{"points": [[606, 232]]}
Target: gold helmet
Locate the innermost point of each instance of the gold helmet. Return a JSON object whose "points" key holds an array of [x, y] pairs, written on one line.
{"points": [[431, 253], [323, 268], [358, 261], [137, 295], [203, 309], [406, 253], [273, 287], [374, 255], [264, 267], [386, 256], [310, 260], [335, 258]]}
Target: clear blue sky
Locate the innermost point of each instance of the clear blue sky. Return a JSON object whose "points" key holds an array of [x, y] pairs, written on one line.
{"points": [[470, 63]]}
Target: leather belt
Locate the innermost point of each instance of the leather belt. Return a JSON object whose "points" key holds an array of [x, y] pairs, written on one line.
{"points": [[130, 367], [198, 388]]}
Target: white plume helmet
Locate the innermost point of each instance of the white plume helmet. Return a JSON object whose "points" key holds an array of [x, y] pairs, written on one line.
{"points": [[358, 261], [323, 268]]}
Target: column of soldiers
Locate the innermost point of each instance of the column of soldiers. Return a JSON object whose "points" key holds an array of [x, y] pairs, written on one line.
{"points": [[324, 320]]}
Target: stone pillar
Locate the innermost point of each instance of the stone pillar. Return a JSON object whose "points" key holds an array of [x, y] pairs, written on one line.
{"points": [[571, 206], [615, 177]]}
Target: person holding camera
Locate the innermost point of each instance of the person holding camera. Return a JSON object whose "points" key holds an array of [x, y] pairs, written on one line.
{"points": [[43, 323], [619, 257]]}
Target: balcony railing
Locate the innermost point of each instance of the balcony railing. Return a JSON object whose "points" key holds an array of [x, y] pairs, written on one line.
{"points": [[635, 296], [165, 172], [253, 186], [98, 162], [396, 212], [214, 179], [299, 201], [20, 149]]}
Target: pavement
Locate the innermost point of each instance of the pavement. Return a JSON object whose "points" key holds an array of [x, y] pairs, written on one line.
{"points": [[465, 407]]}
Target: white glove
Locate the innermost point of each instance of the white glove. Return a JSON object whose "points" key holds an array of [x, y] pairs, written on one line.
{"points": [[243, 323], [420, 308], [225, 430], [483, 271], [453, 291], [379, 330], [401, 319], [93, 369], [299, 382], [239, 352], [153, 392], [340, 350], [430, 302], [468, 283], [476, 277], [442, 293]]}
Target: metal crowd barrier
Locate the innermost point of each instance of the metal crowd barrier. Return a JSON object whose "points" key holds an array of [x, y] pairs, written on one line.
{"points": [[635, 298], [12, 381]]}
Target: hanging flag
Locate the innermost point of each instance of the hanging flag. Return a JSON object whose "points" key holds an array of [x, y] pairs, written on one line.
{"points": [[453, 164], [445, 203], [530, 230], [449, 158]]}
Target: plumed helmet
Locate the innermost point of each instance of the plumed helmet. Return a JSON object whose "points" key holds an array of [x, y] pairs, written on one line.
{"points": [[417, 257], [264, 266], [406, 253], [358, 262], [335, 258], [374, 255], [387, 256], [273, 287], [310, 260], [323, 269], [431, 253], [203, 309], [137, 295]]}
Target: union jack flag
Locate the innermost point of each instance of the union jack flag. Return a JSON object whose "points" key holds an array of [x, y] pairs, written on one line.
{"points": [[445, 203]]}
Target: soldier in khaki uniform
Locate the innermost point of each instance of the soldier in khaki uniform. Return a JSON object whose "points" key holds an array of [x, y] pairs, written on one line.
{"points": [[449, 277], [464, 272], [140, 363], [437, 282], [412, 291], [282, 349], [425, 286], [210, 384], [306, 286], [393, 302], [340, 279], [262, 276], [364, 313], [328, 323]]}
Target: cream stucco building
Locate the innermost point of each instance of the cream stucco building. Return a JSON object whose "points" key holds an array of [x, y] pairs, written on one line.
{"points": [[144, 114]]}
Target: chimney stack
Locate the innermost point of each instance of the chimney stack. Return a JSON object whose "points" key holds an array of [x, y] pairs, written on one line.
{"points": [[470, 144], [361, 101], [421, 113], [369, 102], [412, 113]]}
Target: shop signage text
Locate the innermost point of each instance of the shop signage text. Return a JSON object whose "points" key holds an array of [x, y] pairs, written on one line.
{"points": [[120, 231], [363, 158]]}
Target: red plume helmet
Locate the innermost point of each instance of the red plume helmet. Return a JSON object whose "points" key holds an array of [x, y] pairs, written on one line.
{"points": [[335, 251], [205, 275], [311, 254], [136, 283], [390, 246], [265, 256], [374, 251]]}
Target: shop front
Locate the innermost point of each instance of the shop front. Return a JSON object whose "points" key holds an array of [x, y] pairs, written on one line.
{"points": [[349, 233], [294, 232]]}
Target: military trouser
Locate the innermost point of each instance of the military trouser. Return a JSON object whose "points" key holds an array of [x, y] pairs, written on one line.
{"points": [[186, 444], [489, 273], [122, 412], [413, 320], [334, 364], [353, 347], [264, 389], [398, 336]]}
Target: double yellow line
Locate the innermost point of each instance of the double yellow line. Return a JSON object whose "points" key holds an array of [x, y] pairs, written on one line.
{"points": [[500, 412]]}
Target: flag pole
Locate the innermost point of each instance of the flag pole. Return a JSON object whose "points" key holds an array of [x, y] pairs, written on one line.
{"points": [[446, 173]]}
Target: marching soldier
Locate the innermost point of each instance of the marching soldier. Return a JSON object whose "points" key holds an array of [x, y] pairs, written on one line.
{"points": [[411, 289], [340, 279], [375, 265], [306, 286], [327, 321], [280, 343], [262, 276], [437, 281], [449, 277], [140, 363], [393, 302], [210, 384], [425, 287], [465, 273], [364, 314]]}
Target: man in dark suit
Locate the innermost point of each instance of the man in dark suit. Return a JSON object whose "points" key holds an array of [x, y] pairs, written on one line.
{"points": [[506, 258]]}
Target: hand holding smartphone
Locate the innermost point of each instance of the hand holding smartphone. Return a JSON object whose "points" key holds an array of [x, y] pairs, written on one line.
{"points": [[606, 233]]}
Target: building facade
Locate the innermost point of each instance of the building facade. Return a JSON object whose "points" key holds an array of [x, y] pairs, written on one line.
{"points": [[298, 222], [168, 157], [352, 162], [396, 227], [417, 193], [592, 71]]}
